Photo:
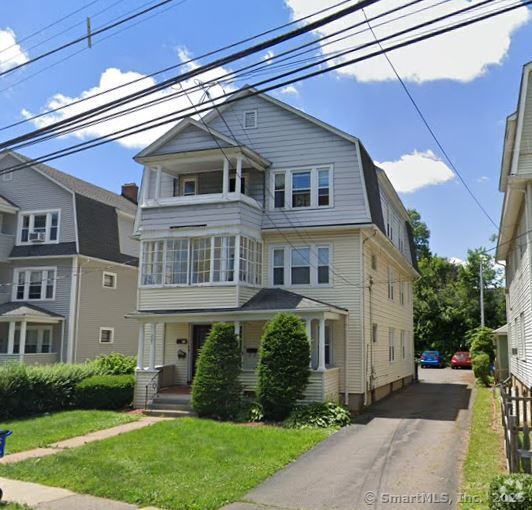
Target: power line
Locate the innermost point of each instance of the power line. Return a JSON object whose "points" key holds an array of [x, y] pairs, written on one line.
{"points": [[428, 126], [169, 68], [127, 131], [85, 37]]}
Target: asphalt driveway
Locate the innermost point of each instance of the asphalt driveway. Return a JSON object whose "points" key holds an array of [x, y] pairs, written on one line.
{"points": [[405, 453]]}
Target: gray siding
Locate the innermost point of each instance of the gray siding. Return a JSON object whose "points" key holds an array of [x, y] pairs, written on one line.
{"points": [[47, 195], [229, 213], [191, 139], [128, 246], [289, 141]]}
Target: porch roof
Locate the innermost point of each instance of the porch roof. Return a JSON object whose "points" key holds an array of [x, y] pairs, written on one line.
{"points": [[266, 301], [13, 311]]}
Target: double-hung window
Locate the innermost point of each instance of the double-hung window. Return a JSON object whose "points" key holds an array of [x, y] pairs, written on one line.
{"points": [[403, 344], [190, 185], [300, 265], [200, 260], [34, 284], [391, 283], [391, 344], [224, 259], [176, 264], [302, 188], [152, 262], [39, 227], [402, 293]]}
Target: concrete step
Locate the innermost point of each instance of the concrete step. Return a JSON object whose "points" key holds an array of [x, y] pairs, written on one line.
{"points": [[173, 398], [157, 404], [169, 413]]}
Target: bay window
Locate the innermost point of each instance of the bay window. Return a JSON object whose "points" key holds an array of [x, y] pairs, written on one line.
{"points": [[38, 340], [302, 188], [38, 226], [33, 284], [200, 260]]}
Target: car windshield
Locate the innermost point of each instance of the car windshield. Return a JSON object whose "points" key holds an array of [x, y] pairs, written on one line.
{"points": [[431, 353]]}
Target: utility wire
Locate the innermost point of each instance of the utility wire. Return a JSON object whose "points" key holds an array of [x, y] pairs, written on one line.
{"points": [[126, 132], [85, 37], [429, 127]]}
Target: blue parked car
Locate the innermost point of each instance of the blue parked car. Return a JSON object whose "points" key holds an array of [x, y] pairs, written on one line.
{"points": [[432, 359]]}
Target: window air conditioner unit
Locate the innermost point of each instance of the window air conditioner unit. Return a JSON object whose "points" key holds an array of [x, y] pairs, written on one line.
{"points": [[37, 237]]}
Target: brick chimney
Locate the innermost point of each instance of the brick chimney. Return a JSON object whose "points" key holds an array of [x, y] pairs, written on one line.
{"points": [[131, 192]]}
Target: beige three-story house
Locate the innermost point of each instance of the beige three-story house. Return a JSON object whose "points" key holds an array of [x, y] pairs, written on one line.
{"points": [[259, 208]]}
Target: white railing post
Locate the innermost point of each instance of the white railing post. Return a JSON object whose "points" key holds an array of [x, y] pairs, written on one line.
{"points": [[22, 343], [11, 337], [238, 180], [321, 345], [308, 327], [153, 345], [225, 188], [158, 172], [140, 353]]}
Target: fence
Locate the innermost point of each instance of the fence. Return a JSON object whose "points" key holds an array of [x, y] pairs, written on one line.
{"points": [[516, 412]]}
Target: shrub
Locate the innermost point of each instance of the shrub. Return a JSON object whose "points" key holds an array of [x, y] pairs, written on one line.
{"points": [[115, 363], [26, 390], [511, 492], [250, 411], [105, 392], [482, 341], [481, 368], [283, 370], [318, 414], [216, 390]]}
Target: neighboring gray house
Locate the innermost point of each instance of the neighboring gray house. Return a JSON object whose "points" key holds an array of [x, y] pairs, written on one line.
{"points": [[68, 266], [260, 208]]}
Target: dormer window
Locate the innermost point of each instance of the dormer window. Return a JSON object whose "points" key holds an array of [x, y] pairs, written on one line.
{"points": [[38, 227], [250, 119]]}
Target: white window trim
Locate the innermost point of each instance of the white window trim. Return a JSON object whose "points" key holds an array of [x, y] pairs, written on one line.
{"points": [[313, 187], [115, 280], [105, 328], [183, 182], [19, 270], [256, 125], [32, 215], [41, 329], [313, 265], [6, 177]]}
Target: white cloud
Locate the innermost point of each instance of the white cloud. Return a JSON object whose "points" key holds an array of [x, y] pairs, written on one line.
{"points": [[457, 261], [11, 53], [483, 178], [460, 55], [289, 90], [113, 77], [416, 170], [268, 55]]}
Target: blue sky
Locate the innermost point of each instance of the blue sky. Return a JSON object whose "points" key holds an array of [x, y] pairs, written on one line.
{"points": [[466, 108]]}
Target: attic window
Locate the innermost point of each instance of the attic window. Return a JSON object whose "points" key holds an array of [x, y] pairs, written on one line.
{"points": [[250, 119]]}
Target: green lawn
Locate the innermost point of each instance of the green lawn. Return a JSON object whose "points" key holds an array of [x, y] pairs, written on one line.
{"points": [[485, 456], [179, 464], [43, 430]]}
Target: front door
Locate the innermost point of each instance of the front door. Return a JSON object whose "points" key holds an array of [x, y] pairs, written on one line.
{"points": [[199, 335]]}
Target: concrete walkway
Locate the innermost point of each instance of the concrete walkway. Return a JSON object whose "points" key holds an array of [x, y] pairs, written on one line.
{"points": [[406, 452], [75, 442]]}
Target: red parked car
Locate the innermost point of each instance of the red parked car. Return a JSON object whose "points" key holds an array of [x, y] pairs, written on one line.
{"points": [[461, 359]]}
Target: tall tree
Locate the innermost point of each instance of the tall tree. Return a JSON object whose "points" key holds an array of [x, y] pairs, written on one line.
{"points": [[421, 234]]}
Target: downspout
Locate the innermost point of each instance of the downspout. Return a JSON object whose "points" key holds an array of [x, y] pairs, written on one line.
{"points": [[366, 351]]}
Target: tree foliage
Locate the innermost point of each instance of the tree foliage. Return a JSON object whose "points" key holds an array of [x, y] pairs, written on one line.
{"points": [[283, 366], [216, 390], [447, 295]]}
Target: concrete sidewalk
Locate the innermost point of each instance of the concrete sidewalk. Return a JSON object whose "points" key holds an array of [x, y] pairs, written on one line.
{"points": [[52, 498], [78, 441]]}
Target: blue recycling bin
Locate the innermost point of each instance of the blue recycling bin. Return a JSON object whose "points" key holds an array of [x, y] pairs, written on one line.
{"points": [[4, 434]]}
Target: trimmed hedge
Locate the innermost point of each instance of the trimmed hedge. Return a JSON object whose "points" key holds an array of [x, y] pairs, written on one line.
{"points": [[115, 363], [511, 492], [283, 371], [216, 389], [481, 368], [27, 390], [318, 415], [105, 392]]}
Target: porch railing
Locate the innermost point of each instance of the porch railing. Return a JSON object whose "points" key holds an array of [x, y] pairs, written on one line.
{"points": [[516, 413]]}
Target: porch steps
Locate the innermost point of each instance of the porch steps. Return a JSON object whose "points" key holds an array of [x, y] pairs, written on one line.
{"points": [[171, 405], [169, 413]]}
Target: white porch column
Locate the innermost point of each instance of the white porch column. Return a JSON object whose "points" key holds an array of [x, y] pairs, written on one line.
{"points": [[238, 180], [225, 189], [237, 328], [22, 344], [321, 346], [153, 345], [308, 327], [158, 172], [140, 353], [11, 337]]}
